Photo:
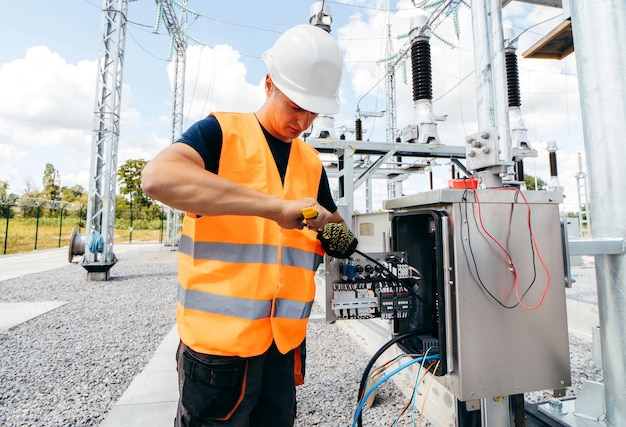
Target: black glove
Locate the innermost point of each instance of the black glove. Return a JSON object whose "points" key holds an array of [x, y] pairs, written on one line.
{"points": [[337, 240]]}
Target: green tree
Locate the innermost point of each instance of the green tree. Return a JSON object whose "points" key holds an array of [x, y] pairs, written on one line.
{"points": [[530, 183], [30, 189], [51, 183], [73, 194], [129, 178], [27, 202], [77, 197], [6, 198]]}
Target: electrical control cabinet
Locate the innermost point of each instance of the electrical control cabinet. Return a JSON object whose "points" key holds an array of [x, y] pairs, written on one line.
{"points": [[492, 289], [425, 254]]}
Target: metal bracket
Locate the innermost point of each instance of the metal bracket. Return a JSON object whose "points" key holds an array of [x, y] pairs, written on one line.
{"points": [[596, 246]]}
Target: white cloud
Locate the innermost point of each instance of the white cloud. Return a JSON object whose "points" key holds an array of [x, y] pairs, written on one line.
{"points": [[215, 80], [46, 116], [9, 154], [43, 91]]}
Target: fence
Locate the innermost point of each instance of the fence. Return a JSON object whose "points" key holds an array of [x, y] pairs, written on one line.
{"points": [[46, 225]]}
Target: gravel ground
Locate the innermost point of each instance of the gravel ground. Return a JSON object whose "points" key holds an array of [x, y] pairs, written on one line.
{"points": [[69, 366], [331, 400]]}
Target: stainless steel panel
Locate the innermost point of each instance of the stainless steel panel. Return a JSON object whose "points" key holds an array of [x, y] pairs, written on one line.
{"points": [[502, 351], [498, 351], [445, 196]]}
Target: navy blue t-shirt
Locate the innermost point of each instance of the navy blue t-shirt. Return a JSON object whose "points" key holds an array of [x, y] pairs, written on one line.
{"points": [[205, 136]]}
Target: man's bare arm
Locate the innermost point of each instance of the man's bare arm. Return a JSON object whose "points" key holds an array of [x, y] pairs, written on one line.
{"points": [[177, 178]]}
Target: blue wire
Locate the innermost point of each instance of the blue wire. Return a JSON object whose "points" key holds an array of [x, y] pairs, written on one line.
{"points": [[385, 378], [399, 356], [417, 382]]}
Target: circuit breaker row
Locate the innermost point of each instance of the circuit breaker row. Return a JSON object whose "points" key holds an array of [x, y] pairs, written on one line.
{"points": [[364, 291]]}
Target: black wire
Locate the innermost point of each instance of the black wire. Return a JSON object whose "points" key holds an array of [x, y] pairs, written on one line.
{"points": [[394, 278], [382, 266], [477, 278], [532, 249], [373, 360]]}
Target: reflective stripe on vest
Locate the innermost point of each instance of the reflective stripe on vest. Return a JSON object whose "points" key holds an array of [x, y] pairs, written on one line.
{"points": [[290, 309], [241, 307], [264, 254], [300, 258], [230, 252], [224, 305]]}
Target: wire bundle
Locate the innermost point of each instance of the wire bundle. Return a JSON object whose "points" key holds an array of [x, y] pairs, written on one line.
{"points": [[365, 394], [515, 285]]}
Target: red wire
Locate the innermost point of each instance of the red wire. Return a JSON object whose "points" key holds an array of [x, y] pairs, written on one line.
{"points": [[508, 255], [545, 267], [511, 264]]}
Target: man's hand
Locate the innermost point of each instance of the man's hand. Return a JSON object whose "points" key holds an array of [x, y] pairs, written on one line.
{"points": [[292, 214], [337, 240]]}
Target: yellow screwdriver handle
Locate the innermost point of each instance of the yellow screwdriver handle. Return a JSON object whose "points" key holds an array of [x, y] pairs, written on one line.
{"points": [[309, 213]]}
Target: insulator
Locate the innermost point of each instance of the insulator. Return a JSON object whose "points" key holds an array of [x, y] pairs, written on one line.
{"points": [[512, 79], [519, 170], [358, 127], [421, 70], [553, 171]]}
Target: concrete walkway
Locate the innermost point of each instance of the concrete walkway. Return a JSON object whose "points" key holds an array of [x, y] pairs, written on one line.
{"points": [[151, 398]]}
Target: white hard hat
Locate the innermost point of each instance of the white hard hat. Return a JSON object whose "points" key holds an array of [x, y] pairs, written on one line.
{"points": [[306, 65]]}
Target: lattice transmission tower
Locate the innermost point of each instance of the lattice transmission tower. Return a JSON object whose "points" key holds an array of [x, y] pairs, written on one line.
{"points": [[177, 30], [99, 256]]}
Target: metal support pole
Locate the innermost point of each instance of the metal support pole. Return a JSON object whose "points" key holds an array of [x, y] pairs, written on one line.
{"points": [[6, 228], [176, 27], [60, 225], [495, 412], [368, 196], [490, 149], [37, 226], [346, 181], [599, 40], [106, 132]]}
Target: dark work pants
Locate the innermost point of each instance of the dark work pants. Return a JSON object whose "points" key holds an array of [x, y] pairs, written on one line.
{"points": [[266, 383]]}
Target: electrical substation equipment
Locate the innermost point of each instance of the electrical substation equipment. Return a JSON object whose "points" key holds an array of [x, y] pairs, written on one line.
{"points": [[477, 276]]}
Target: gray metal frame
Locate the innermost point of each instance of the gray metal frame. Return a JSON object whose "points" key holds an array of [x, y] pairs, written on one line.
{"points": [[176, 28], [494, 351], [599, 37], [106, 132]]}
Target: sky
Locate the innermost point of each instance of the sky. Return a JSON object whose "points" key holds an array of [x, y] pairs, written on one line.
{"points": [[49, 51]]}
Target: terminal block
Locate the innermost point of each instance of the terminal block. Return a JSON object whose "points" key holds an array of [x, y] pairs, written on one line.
{"points": [[361, 288]]}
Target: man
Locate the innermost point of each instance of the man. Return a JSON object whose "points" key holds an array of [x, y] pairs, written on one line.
{"points": [[247, 258]]}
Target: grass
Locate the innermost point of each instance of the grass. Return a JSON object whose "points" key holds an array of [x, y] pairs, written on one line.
{"points": [[25, 235]]}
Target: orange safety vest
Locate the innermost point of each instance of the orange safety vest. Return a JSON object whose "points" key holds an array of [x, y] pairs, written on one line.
{"points": [[243, 280]]}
